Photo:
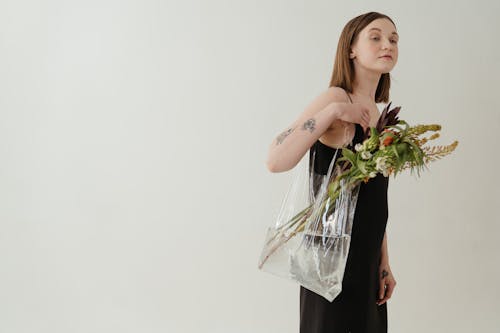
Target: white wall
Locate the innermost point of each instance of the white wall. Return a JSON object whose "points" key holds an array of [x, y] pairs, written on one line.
{"points": [[133, 137]]}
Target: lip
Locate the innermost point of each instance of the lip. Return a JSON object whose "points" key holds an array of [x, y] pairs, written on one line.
{"points": [[386, 57]]}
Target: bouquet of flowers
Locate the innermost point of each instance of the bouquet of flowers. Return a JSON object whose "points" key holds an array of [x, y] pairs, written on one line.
{"points": [[311, 247]]}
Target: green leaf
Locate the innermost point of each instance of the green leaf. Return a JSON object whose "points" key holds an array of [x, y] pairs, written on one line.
{"points": [[349, 155], [362, 166]]}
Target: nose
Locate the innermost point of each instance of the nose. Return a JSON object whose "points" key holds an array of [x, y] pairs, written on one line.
{"points": [[387, 44]]}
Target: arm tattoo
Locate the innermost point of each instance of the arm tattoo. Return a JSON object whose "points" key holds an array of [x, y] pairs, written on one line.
{"points": [[309, 124], [283, 135]]}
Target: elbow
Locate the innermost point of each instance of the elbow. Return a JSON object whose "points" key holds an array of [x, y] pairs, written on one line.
{"points": [[275, 167], [276, 162], [272, 167], [271, 162]]}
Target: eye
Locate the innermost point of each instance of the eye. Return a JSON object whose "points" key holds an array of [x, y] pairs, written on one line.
{"points": [[377, 38]]}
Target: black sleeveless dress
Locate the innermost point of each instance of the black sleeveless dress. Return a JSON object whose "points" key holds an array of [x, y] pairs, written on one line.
{"points": [[354, 309]]}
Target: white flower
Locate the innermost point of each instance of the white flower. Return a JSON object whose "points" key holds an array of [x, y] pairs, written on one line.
{"points": [[358, 147], [373, 174], [366, 155], [380, 163]]}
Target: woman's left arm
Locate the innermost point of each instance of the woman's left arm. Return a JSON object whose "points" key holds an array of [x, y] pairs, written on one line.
{"points": [[387, 281], [385, 254]]}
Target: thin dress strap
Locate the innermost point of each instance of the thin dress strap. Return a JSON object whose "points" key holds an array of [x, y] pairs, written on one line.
{"points": [[356, 133], [348, 96]]}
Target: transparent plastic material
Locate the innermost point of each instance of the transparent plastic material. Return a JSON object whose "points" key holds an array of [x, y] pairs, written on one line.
{"points": [[309, 242]]}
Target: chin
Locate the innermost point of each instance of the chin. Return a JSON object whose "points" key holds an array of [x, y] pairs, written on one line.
{"points": [[377, 68], [386, 70]]}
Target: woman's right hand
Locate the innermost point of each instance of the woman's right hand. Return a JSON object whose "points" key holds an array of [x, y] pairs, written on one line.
{"points": [[354, 113]]}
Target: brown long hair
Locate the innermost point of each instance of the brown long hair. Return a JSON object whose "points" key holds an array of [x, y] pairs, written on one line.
{"points": [[343, 68]]}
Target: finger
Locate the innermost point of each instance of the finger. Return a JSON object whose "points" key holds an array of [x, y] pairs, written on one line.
{"points": [[390, 289], [388, 294], [382, 301], [381, 289]]}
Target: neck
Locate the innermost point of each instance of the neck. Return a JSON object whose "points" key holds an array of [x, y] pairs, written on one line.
{"points": [[365, 83]]}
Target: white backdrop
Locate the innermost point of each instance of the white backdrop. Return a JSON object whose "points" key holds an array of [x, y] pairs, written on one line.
{"points": [[133, 137]]}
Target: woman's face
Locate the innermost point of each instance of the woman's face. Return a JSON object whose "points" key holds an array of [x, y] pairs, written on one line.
{"points": [[377, 39]]}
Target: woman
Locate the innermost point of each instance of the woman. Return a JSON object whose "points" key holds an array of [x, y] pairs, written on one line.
{"points": [[367, 51]]}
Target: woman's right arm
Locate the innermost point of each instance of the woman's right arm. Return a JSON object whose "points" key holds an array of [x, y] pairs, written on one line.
{"points": [[324, 112]]}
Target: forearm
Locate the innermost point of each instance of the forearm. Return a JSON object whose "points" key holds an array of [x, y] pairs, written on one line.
{"points": [[289, 147], [385, 255]]}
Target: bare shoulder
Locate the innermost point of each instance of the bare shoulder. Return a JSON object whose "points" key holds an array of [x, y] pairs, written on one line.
{"points": [[330, 95], [320, 102], [339, 133], [337, 94]]}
